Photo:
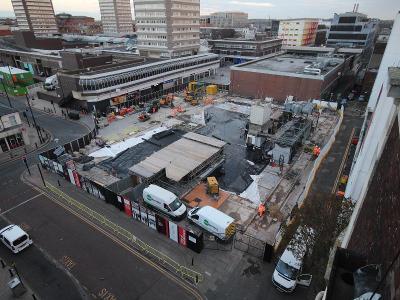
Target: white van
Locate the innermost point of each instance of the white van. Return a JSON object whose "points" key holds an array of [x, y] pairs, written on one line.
{"points": [[51, 83], [164, 201], [287, 274], [15, 238], [214, 221]]}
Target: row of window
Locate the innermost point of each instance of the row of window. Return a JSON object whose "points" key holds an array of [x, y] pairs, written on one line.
{"points": [[111, 81]]}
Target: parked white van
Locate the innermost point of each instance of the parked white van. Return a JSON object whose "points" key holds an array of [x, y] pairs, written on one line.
{"points": [[51, 83], [164, 201], [287, 274], [214, 221], [15, 238]]}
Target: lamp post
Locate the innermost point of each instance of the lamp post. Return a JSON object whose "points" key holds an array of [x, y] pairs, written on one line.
{"points": [[5, 90], [34, 120]]}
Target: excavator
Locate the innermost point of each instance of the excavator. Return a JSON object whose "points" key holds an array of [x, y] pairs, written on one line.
{"points": [[167, 100]]}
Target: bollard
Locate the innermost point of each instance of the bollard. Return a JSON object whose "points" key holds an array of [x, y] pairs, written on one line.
{"points": [[34, 297], [58, 181], [36, 145], [197, 278], [3, 265], [11, 272], [192, 260]]}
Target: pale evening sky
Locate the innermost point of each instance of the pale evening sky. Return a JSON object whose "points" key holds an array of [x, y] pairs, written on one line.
{"points": [[383, 9]]}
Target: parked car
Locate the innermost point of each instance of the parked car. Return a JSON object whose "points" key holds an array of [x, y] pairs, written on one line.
{"points": [[214, 221], [15, 238], [164, 201], [361, 98], [288, 271], [51, 83]]}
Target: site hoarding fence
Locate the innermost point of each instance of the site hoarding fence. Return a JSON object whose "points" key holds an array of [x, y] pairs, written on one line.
{"points": [[179, 234]]}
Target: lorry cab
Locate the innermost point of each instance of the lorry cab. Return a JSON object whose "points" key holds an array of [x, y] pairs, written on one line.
{"points": [[214, 221], [15, 238], [164, 201], [287, 274]]}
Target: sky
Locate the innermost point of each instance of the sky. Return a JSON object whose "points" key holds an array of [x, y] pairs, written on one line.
{"points": [[274, 9]]}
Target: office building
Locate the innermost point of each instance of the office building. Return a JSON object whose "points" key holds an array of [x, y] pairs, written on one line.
{"points": [[36, 16], [167, 28], [265, 25], [116, 17], [298, 32], [240, 50], [229, 19], [352, 29]]}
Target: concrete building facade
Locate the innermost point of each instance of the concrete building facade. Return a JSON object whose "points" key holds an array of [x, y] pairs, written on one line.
{"points": [[229, 19], [118, 82], [167, 28], [352, 29], [35, 15], [237, 48], [298, 32], [116, 17]]}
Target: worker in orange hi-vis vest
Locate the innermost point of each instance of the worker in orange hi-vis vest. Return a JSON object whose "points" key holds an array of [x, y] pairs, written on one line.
{"points": [[316, 151], [261, 209]]}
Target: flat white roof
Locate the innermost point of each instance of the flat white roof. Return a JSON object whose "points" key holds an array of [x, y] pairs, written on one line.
{"points": [[12, 232], [12, 70]]}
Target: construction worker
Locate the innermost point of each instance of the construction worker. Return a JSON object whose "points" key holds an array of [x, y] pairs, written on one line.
{"points": [[261, 210], [316, 151]]}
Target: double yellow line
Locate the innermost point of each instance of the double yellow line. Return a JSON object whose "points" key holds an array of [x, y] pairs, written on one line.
{"points": [[184, 285], [344, 158]]}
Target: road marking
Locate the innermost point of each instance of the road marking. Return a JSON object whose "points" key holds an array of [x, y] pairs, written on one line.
{"points": [[344, 158], [67, 262], [182, 284], [106, 295], [22, 203]]}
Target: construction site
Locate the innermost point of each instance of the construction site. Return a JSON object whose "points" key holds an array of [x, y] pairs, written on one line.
{"points": [[253, 160]]}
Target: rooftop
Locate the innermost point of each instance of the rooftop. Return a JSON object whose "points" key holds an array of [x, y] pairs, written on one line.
{"points": [[12, 70], [243, 40], [288, 63]]}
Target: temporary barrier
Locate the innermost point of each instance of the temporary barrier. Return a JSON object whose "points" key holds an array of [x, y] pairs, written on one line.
{"points": [[157, 256]]}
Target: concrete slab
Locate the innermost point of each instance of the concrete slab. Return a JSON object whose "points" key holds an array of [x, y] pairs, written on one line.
{"points": [[241, 209]]}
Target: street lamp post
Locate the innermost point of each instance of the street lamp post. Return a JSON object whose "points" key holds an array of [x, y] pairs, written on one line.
{"points": [[5, 90], [34, 120]]}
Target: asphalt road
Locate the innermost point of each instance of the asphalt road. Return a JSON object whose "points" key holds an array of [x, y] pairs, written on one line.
{"points": [[71, 259]]}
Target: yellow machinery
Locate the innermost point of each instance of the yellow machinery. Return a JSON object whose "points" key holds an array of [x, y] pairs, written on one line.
{"points": [[212, 186], [166, 100], [212, 89]]}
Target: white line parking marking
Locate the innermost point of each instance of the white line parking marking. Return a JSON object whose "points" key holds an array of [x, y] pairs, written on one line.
{"points": [[22, 203]]}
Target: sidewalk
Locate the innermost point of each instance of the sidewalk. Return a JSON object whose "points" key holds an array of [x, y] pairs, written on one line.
{"points": [[5, 291], [34, 143]]}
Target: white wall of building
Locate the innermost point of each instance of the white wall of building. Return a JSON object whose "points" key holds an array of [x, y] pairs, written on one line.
{"points": [[298, 32], [384, 113]]}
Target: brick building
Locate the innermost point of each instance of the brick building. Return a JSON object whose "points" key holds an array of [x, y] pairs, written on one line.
{"points": [[77, 24], [279, 75]]}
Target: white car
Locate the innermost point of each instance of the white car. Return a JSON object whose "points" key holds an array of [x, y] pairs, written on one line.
{"points": [[15, 238]]}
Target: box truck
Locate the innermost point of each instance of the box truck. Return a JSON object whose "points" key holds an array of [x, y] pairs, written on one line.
{"points": [[214, 221], [164, 201]]}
